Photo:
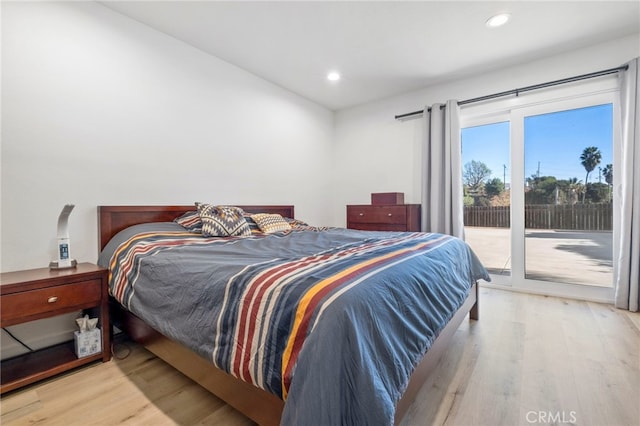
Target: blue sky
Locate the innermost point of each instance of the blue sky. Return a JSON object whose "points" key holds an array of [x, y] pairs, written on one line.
{"points": [[554, 140]]}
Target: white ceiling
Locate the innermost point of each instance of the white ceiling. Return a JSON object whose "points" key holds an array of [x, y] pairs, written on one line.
{"points": [[380, 48]]}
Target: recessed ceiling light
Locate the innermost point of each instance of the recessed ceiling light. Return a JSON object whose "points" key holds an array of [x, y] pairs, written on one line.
{"points": [[333, 76], [498, 20]]}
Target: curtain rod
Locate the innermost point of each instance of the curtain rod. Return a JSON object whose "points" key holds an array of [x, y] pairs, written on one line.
{"points": [[525, 89]]}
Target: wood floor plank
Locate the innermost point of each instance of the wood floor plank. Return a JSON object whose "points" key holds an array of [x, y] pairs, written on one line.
{"points": [[529, 360], [634, 319], [547, 378], [447, 385], [613, 379], [490, 397], [20, 406]]}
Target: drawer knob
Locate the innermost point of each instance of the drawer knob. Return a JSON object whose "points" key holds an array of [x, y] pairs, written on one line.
{"points": [[389, 215], [361, 214], [52, 299]]}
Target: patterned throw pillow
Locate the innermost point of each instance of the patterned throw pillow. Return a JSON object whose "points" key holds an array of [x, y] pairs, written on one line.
{"points": [[270, 223], [298, 225], [222, 221], [295, 223], [190, 221], [252, 224]]}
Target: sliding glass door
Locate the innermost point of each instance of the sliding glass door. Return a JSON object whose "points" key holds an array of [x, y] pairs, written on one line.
{"points": [[539, 200], [568, 168], [487, 201]]}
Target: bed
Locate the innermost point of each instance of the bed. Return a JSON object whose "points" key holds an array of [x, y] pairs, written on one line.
{"points": [[305, 382]]}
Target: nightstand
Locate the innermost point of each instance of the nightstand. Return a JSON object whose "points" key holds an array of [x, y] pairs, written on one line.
{"points": [[389, 217], [43, 293]]}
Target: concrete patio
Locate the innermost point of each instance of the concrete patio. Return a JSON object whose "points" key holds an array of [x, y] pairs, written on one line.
{"points": [[577, 257]]}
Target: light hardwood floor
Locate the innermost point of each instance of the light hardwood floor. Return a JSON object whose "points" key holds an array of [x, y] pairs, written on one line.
{"points": [[530, 360]]}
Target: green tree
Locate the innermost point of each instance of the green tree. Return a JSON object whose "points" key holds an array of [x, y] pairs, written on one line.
{"points": [[608, 177], [570, 190], [482, 201], [493, 187], [597, 192], [541, 190], [608, 174], [590, 158], [474, 174], [576, 188]]}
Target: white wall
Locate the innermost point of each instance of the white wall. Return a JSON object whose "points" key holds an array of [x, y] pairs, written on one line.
{"points": [[100, 109], [376, 153]]}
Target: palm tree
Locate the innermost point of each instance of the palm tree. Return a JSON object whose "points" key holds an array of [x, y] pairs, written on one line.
{"points": [[575, 187], [608, 177], [608, 174], [589, 159]]}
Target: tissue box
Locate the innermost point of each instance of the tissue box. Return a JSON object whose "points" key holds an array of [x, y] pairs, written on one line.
{"points": [[88, 342]]}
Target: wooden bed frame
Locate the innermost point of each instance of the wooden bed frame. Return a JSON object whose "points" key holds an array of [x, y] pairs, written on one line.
{"points": [[261, 406]]}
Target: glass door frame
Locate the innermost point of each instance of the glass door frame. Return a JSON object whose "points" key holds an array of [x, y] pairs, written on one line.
{"points": [[514, 111], [497, 280]]}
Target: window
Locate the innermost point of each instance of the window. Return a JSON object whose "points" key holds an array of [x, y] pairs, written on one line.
{"points": [[539, 204], [487, 201]]}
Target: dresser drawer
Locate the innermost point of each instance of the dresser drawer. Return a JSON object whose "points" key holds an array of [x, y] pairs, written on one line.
{"points": [[374, 214], [390, 217], [378, 226], [55, 298]]}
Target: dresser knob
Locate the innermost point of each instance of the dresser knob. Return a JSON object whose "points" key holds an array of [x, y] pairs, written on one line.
{"points": [[52, 299], [389, 215], [361, 214]]}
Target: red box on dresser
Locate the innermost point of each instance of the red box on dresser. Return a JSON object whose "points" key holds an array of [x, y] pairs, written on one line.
{"points": [[386, 198]]}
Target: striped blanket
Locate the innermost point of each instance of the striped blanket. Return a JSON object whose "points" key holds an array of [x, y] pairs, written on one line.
{"points": [[332, 322]]}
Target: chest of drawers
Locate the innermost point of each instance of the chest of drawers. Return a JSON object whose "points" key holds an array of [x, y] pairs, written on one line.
{"points": [[392, 217]]}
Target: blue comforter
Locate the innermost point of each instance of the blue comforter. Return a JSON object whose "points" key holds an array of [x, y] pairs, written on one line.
{"points": [[332, 322]]}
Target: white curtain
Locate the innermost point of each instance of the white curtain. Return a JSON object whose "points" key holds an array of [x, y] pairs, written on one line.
{"points": [[442, 204], [628, 281]]}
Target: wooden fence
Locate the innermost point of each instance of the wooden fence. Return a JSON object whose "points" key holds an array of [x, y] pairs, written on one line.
{"points": [[585, 217]]}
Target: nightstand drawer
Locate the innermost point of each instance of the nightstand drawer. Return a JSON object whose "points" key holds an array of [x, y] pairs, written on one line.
{"points": [[35, 302], [374, 214]]}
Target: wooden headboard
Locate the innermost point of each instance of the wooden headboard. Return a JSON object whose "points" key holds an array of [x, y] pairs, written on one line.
{"points": [[113, 219]]}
